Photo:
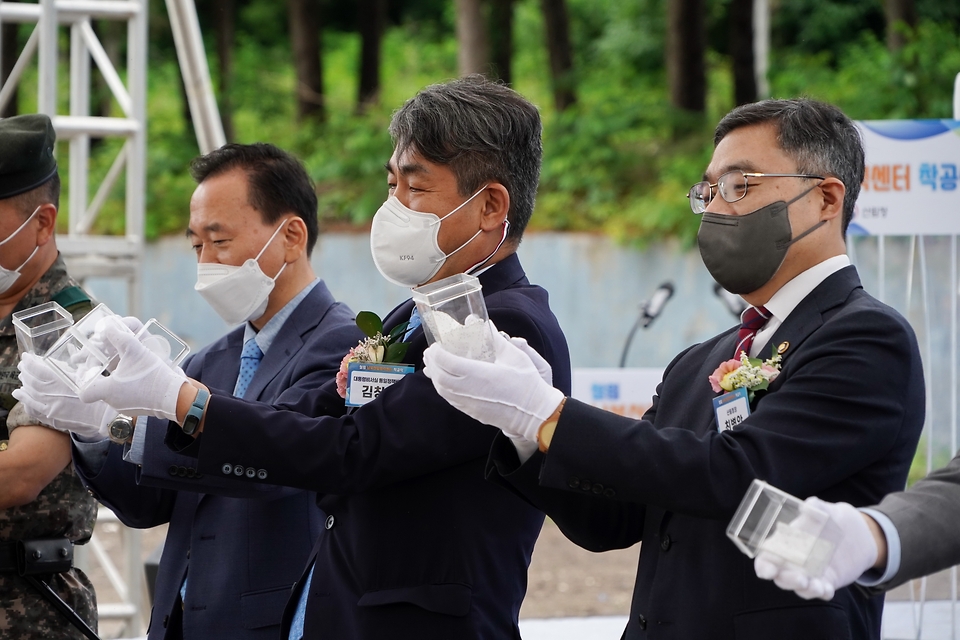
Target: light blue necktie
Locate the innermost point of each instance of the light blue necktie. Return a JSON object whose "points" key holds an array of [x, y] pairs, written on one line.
{"points": [[296, 627], [250, 359], [413, 324]]}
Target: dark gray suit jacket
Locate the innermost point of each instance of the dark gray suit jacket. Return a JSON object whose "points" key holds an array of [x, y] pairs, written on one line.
{"points": [[927, 517], [841, 422], [246, 546]]}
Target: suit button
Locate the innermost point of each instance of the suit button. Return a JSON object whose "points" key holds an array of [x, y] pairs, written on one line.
{"points": [[573, 483], [665, 543], [609, 493], [238, 470], [642, 621], [191, 472], [598, 488], [251, 473], [182, 472], [585, 485], [166, 621], [172, 470], [329, 522], [227, 469], [262, 474]]}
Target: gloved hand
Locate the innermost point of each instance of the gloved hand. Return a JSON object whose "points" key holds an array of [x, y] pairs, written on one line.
{"points": [[509, 393], [855, 554], [543, 367], [141, 384], [48, 399]]}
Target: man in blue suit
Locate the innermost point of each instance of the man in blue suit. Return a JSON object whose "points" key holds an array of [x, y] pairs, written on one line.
{"points": [[416, 544], [234, 549], [836, 413]]}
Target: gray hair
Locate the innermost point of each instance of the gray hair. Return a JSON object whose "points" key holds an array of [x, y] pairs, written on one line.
{"points": [[818, 136], [484, 132]]}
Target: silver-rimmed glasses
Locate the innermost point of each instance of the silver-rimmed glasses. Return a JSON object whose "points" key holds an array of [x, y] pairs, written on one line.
{"points": [[732, 186]]}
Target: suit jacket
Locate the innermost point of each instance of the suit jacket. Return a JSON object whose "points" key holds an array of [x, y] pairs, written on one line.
{"points": [[927, 517], [246, 547], [415, 544], [841, 422]]}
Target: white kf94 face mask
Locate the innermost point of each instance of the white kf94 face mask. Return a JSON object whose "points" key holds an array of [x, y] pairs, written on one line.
{"points": [[405, 246], [237, 294], [10, 276]]}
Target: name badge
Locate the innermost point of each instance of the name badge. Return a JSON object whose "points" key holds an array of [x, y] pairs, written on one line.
{"points": [[367, 380], [731, 409]]}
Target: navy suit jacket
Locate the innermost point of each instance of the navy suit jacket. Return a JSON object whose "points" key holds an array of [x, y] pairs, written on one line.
{"points": [[841, 422], [246, 546], [416, 543]]}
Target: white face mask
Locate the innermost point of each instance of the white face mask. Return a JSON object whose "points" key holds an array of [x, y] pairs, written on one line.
{"points": [[237, 294], [405, 246], [9, 276]]}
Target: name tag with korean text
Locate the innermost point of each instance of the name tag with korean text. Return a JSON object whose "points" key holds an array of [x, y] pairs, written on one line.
{"points": [[731, 409], [367, 380]]}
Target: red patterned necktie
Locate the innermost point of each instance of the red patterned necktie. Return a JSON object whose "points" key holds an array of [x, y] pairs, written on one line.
{"points": [[753, 319]]}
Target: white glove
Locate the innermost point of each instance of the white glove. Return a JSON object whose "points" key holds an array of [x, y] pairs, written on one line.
{"points": [[855, 554], [141, 384], [543, 367], [508, 393], [49, 400]]}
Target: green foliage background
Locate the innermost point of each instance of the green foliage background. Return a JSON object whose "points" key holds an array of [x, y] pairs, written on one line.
{"points": [[612, 162]]}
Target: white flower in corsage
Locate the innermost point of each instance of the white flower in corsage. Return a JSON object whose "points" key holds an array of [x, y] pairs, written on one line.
{"points": [[376, 347], [750, 373]]}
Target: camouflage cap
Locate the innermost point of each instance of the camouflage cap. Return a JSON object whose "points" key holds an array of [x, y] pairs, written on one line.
{"points": [[26, 153]]}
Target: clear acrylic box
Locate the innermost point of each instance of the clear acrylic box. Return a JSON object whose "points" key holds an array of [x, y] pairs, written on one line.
{"points": [[81, 355], [454, 314], [163, 342], [773, 521], [38, 328]]}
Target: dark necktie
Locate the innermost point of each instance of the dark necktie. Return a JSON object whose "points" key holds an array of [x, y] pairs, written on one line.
{"points": [[752, 320]]}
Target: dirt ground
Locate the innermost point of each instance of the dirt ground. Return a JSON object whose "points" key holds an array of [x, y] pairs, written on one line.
{"points": [[564, 580]]}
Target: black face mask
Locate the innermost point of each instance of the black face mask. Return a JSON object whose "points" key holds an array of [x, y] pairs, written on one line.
{"points": [[743, 253]]}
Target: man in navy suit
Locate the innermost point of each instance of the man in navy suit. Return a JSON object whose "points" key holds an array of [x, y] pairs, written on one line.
{"points": [[416, 544], [234, 549], [840, 419]]}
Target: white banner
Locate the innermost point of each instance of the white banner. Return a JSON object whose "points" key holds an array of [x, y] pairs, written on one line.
{"points": [[628, 392], [911, 184]]}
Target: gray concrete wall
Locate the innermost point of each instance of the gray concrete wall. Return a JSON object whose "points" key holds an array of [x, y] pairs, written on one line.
{"points": [[595, 285]]}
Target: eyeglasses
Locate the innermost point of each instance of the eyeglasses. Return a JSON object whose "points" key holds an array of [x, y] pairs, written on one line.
{"points": [[732, 186]]}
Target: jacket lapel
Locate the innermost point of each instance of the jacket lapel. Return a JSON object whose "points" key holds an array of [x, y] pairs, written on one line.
{"points": [[304, 319], [503, 274], [808, 316]]}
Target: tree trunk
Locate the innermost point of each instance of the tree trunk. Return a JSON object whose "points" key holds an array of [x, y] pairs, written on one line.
{"points": [[898, 11], [741, 51], [501, 39], [686, 38], [371, 22], [224, 16], [557, 21], [8, 58], [473, 53], [305, 42]]}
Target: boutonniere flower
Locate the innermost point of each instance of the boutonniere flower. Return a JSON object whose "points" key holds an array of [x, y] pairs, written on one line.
{"points": [[750, 373], [376, 347]]}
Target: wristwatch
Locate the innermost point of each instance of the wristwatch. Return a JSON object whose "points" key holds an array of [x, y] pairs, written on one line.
{"points": [[194, 415], [120, 429]]}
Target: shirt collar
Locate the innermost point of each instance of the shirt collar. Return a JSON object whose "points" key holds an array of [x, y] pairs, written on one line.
{"points": [[266, 336], [784, 301]]}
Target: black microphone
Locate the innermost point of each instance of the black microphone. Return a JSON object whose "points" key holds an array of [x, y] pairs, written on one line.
{"points": [[656, 303], [734, 303], [649, 310]]}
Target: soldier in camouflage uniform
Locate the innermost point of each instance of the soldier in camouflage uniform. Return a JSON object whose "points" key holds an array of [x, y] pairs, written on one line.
{"points": [[41, 497]]}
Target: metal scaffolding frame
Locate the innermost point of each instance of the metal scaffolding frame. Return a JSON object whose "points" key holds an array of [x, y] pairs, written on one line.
{"points": [[87, 253]]}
